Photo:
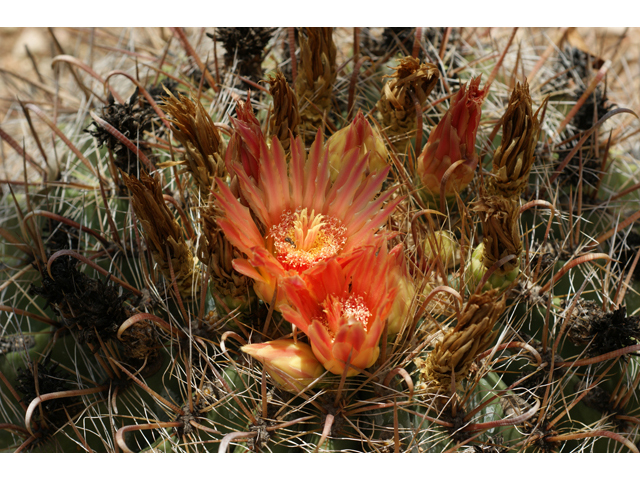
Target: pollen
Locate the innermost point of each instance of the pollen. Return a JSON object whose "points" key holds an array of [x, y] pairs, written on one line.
{"points": [[348, 310], [302, 239], [355, 310]]}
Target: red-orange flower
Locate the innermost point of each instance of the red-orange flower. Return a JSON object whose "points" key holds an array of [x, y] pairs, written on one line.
{"points": [[453, 140], [301, 217], [342, 308]]}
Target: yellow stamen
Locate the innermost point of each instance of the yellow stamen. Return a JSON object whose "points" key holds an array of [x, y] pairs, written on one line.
{"points": [[302, 239]]}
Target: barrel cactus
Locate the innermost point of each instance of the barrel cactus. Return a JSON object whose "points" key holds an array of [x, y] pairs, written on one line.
{"points": [[360, 251]]}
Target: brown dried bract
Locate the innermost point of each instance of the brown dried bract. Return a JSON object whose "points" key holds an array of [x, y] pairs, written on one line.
{"points": [[285, 117], [161, 231], [514, 157], [460, 345], [499, 217], [218, 253], [396, 107], [316, 75], [195, 130]]}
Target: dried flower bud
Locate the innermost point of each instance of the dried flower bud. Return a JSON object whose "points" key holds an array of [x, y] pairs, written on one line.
{"points": [[453, 140], [195, 130], [285, 117], [316, 75], [163, 232], [292, 364], [514, 157], [459, 346], [359, 134], [499, 218], [396, 108], [215, 250]]}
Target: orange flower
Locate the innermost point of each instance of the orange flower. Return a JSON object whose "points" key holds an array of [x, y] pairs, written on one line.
{"points": [[453, 140], [342, 308], [296, 216], [291, 364]]}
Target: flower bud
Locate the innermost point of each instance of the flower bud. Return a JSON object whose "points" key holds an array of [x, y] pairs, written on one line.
{"points": [[442, 244], [401, 279], [453, 140], [476, 270], [291, 364], [359, 134]]}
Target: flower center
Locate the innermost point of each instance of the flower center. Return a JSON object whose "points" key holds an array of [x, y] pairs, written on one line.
{"points": [[302, 239], [346, 311], [354, 310]]}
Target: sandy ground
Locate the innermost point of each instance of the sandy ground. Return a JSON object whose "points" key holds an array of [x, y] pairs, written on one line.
{"points": [[15, 57], [620, 45]]}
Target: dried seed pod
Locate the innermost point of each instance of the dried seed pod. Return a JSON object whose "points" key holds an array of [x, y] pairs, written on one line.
{"points": [[602, 331], [246, 45], [87, 306], [396, 107], [233, 288], [459, 346], [316, 75], [40, 378], [162, 231], [285, 117], [499, 217], [394, 38], [131, 119], [514, 157], [195, 130]]}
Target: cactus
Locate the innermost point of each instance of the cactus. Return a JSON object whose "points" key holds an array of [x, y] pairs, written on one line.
{"points": [[174, 280]]}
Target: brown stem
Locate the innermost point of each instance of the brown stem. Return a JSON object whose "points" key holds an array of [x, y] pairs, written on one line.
{"points": [[403, 373], [134, 428], [148, 316], [95, 266], [601, 358], [573, 263], [192, 53], [325, 431], [595, 433], [352, 86], [505, 346], [78, 63], [230, 437], [62, 136], [51, 396], [504, 422]]}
